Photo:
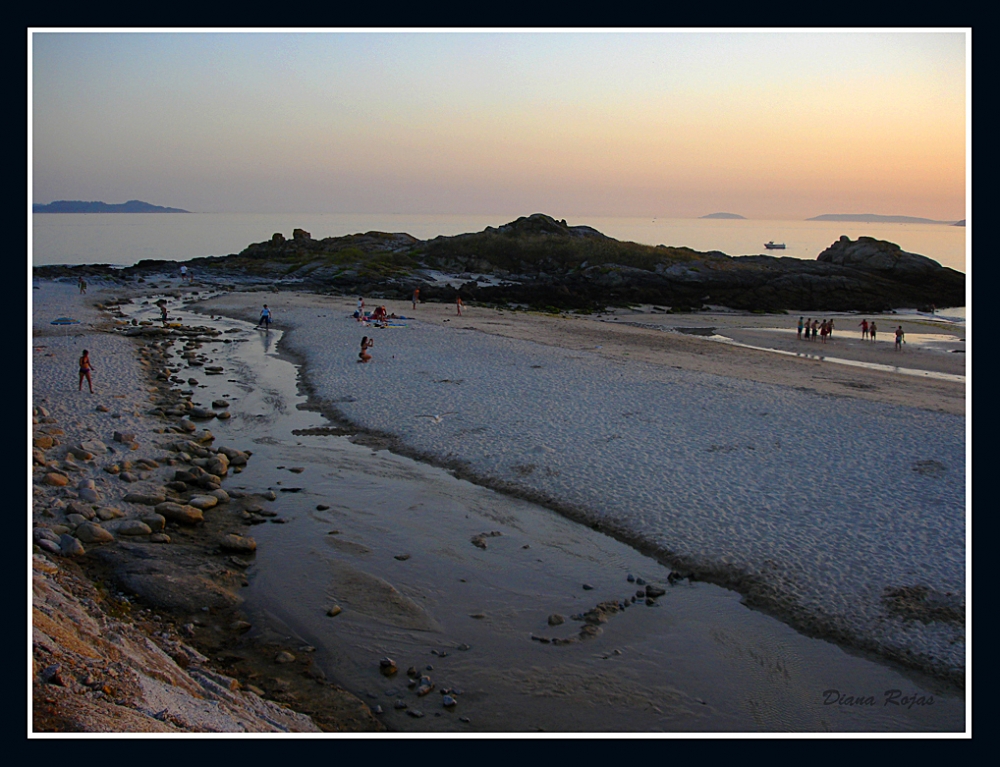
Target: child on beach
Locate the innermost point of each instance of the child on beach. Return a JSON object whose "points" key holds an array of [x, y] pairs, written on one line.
{"points": [[871, 331], [265, 317], [366, 344], [85, 368]]}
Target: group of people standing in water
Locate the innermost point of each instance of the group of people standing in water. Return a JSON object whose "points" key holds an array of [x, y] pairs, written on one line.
{"points": [[810, 329]]}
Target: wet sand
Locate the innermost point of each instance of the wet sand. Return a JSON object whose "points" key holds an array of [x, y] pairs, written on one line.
{"points": [[395, 551]]}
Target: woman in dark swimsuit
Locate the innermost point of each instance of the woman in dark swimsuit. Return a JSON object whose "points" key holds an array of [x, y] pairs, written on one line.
{"points": [[366, 344], [85, 368]]}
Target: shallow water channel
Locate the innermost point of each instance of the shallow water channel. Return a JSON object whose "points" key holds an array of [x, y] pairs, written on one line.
{"points": [[394, 550]]}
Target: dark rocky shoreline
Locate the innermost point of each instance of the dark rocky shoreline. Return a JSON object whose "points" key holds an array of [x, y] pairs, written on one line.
{"points": [[542, 263]]}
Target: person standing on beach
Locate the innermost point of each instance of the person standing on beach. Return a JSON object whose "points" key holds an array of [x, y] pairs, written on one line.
{"points": [[458, 305], [864, 329], [871, 331], [184, 273], [800, 328], [366, 344], [416, 297], [82, 284], [829, 328], [815, 329], [85, 368], [899, 338], [265, 317]]}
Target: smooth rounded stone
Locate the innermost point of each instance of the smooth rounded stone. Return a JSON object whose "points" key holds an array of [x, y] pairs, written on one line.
{"points": [[556, 620], [204, 436], [113, 468], [155, 522], [238, 543], [128, 477], [449, 701], [88, 532], [146, 499], [269, 495], [415, 713], [43, 442], [240, 626], [654, 591], [109, 512], [80, 454], [630, 578], [587, 587], [284, 657], [400, 705], [84, 510], [201, 412], [175, 512], [322, 507], [44, 533], [70, 546], [224, 415], [133, 527], [387, 666], [50, 546], [334, 611], [219, 494], [102, 409], [86, 483], [640, 582], [75, 519], [187, 426], [94, 446], [56, 480], [203, 501], [159, 538], [192, 381], [220, 404], [37, 456]]}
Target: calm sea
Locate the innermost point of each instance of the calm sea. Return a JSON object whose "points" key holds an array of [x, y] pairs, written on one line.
{"points": [[124, 239]]}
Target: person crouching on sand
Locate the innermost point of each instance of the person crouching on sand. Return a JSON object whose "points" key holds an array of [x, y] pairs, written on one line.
{"points": [[366, 344], [85, 367]]}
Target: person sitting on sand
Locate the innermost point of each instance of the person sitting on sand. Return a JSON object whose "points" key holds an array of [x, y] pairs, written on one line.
{"points": [[366, 344], [85, 368], [899, 338], [265, 317]]}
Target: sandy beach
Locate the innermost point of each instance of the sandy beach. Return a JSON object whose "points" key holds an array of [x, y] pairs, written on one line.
{"points": [[601, 450]]}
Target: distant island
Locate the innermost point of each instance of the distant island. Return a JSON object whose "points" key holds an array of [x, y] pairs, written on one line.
{"points": [[724, 215], [78, 206], [872, 218]]}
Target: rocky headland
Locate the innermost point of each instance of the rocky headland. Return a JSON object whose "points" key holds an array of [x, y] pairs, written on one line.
{"points": [[540, 262]]}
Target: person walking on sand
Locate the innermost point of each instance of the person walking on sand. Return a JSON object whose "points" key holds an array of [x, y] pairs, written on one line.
{"points": [[800, 328], [82, 284], [864, 329], [416, 297], [265, 318], [458, 305], [899, 338], [366, 344], [85, 369], [872, 330]]}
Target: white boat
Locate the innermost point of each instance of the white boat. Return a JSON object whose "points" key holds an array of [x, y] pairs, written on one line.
{"points": [[772, 245]]}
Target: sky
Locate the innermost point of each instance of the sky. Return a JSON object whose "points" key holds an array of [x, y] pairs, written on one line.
{"points": [[665, 123]]}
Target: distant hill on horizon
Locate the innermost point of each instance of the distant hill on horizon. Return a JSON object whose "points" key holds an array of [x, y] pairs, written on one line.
{"points": [[79, 206], [724, 215], [872, 218]]}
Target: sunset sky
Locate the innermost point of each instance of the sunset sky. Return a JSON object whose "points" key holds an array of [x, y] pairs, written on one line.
{"points": [[777, 125]]}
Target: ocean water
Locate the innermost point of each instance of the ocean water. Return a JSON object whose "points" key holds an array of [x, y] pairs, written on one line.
{"points": [[124, 239]]}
